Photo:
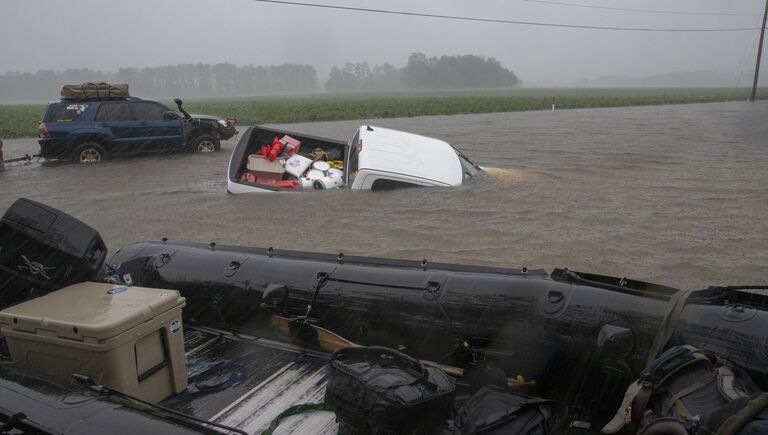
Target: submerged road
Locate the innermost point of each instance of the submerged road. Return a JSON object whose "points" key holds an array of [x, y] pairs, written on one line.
{"points": [[676, 195]]}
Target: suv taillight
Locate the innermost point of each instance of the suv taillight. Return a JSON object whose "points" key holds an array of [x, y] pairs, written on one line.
{"points": [[231, 121], [44, 134]]}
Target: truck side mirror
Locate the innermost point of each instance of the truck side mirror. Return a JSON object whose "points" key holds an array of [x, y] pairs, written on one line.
{"points": [[177, 101]]}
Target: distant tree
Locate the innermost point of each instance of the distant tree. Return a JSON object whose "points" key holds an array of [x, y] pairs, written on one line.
{"points": [[452, 72], [416, 73], [335, 80], [385, 77], [352, 77]]}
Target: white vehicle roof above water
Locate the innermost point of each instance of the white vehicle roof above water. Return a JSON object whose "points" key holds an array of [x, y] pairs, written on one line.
{"points": [[378, 153], [375, 158]]}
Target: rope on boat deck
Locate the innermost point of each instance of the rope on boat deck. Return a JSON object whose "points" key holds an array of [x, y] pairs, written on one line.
{"points": [[295, 410]]}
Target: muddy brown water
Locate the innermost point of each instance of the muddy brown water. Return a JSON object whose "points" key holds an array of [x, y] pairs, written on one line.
{"points": [[676, 195]]}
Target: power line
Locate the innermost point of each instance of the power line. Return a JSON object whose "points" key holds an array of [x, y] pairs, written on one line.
{"points": [[648, 11], [498, 21]]}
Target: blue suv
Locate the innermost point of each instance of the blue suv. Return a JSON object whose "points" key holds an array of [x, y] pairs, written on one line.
{"points": [[91, 130]]}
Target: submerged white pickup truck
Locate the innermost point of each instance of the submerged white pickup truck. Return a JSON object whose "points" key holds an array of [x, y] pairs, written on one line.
{"points": [[375, 158]]}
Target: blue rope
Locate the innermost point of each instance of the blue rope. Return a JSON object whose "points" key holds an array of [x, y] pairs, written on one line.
{"points": [[116, 271], [197, 384]]}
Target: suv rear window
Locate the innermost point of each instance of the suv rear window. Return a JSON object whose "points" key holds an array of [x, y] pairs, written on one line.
{"points": [[66, 112]]}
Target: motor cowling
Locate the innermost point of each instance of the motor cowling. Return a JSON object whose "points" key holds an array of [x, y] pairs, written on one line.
{"points": [[43, 249]]}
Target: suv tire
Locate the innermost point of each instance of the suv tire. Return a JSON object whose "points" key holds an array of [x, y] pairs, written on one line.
{"points": [[89, 152], [205, 143]]}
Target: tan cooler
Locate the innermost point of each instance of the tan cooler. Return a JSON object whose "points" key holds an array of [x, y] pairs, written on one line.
{"points": [[127, 338]]}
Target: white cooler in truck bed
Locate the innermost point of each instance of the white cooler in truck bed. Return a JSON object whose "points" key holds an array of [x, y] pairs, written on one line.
{"points": [[126, 338]]}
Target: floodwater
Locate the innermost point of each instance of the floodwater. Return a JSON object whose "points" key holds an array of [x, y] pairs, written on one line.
{"points": [[676, 195]]}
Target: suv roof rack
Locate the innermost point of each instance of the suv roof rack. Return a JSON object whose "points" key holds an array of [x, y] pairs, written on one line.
{"points": [[72, 100]]}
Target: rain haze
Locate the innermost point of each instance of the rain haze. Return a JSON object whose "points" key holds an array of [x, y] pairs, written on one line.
{"points": [[544, 199], [104, 36]]}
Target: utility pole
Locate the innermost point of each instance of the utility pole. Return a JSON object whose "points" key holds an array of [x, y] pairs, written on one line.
{"points": [[759, 53]]}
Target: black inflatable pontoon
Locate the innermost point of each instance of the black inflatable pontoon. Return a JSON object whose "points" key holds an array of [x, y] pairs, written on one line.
{"points": [[575, 337], [581, 338]]}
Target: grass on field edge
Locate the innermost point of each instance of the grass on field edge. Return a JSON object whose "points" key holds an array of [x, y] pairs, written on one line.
{"points": [[18, 121]]}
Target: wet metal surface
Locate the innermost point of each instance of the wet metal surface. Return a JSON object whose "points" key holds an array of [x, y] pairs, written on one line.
{"points": [[673, 194], [269, 381]]}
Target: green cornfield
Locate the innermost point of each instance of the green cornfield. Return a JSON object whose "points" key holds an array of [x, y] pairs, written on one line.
{"points": [[22, 120], [19, 120]]}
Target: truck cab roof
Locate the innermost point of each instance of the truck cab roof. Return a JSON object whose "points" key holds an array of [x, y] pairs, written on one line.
{"points": [[387, 151]]}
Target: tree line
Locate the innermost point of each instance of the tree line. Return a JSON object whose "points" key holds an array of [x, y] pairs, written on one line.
{"points": [[228, 80], [185, 80], [421, 72]]}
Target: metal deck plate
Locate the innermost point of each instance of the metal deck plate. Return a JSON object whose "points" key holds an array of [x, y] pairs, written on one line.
{"points": [[262, 380]]}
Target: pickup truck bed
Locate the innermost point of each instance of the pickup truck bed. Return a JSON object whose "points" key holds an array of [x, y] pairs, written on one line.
{"points": [[254, 138]]}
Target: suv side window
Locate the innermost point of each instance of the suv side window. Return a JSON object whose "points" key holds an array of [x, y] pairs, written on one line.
{"points": [[148, 111], [113, 112]]}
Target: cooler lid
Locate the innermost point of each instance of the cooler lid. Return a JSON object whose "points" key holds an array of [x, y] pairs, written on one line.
{"points": [[89, 310]]}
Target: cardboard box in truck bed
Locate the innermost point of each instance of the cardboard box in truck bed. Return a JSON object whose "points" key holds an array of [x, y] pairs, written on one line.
{"points": [[262, 167]]}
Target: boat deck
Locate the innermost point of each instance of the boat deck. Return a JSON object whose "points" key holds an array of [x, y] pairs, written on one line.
{"points": [[245, 382]]}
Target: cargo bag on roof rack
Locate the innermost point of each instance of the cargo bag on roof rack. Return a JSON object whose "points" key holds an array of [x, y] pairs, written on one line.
{"points": [[89, 90], [377, 390]]}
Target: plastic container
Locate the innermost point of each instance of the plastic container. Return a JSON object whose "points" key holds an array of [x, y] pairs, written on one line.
{"points": [[127, 338], [297, 165], [266, 180], [306, 183], [314, 174], [289, 184], [321, 166], [290, 145], [330, 181]]}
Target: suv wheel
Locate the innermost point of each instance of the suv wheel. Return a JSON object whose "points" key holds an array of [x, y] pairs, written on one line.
{"points": [[205, 143], [89, 152]]}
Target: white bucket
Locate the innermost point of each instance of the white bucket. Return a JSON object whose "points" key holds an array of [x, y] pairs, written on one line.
{"points": [[331, 181], [321, 166], [306, 183], [315, 174]]}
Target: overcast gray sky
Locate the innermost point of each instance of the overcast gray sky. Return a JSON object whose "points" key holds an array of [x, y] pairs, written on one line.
{"points": [[101, 34]]}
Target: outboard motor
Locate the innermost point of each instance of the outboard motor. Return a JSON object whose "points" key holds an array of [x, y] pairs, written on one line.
{"points": [[43, 249]]}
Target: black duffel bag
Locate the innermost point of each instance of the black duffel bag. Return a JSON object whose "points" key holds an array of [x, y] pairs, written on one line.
{"points": [[498, 411], [377, 390]]}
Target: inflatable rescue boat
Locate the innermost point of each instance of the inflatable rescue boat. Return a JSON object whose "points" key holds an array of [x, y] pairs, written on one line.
{"points": [[217, 339]]}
